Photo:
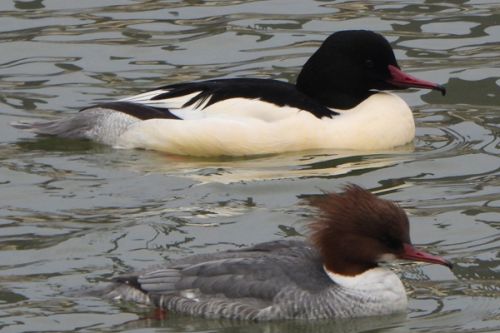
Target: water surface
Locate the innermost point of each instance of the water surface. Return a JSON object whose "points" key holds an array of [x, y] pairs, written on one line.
{"points": [[74, 213]]}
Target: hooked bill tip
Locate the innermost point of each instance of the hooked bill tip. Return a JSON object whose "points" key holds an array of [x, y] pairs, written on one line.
{"points": [[411, 253], [442, 89]]}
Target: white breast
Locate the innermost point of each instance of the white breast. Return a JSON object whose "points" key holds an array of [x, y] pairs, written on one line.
{"points": [[380, 287]]}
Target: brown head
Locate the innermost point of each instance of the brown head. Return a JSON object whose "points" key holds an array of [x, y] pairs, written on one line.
{"points": [[356, 230]]}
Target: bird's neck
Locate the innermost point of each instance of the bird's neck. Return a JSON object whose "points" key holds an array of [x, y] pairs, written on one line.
{"points": [[378, 290], [377, 283], [334, 95]]}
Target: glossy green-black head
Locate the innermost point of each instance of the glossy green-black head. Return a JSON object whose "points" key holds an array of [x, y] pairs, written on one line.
{"points": [[349, 65]]}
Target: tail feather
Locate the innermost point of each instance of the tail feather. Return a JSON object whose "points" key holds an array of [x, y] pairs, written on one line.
{"points": [[66, 128], [22, 125], [117, 291], [98, 124]]}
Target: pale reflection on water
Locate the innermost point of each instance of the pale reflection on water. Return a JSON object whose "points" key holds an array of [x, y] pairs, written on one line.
{"points": [[74, 213]]}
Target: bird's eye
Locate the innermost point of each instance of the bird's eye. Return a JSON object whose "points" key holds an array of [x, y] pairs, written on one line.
{"points": [[369, 64], [392, 243]]}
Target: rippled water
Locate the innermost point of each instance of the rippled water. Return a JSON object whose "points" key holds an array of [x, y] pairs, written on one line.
{"points": [[74, 213]]}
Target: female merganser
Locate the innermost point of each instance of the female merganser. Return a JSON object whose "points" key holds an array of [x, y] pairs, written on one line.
{"points": [[334, 275], [336, 103]]}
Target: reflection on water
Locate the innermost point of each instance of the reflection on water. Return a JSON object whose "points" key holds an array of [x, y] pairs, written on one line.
{"points": [[75, 213], [185, 324]]}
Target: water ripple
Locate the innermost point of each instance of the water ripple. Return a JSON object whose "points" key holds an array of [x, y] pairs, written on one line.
{"points": [[76, 213]]}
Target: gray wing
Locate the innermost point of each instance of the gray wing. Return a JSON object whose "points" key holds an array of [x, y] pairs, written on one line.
{"points": [[232, 284]]}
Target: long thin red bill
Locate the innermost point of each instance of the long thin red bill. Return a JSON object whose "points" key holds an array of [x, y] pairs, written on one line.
{"points": [[403, 80], [411, 253]]}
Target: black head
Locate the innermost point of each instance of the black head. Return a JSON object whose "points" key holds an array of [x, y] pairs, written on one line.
{"points": [[349, 65], [356, 230]]}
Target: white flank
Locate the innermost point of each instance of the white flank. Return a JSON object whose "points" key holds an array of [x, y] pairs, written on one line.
{"points": [[247, 127]]}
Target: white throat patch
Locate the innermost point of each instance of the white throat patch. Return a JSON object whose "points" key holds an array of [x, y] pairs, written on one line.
{"points": [[380, 290], [373, 281]]}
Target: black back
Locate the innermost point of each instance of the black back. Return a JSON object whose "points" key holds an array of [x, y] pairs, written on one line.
{"points": [[137, 110], [271, 91]]}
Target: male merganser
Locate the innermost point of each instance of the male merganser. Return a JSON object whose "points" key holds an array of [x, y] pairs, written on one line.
{"points": [[336, 274], [336, 103]]}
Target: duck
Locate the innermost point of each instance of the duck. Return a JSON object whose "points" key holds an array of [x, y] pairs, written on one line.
{"points": [[339, 101], [335, 273]]}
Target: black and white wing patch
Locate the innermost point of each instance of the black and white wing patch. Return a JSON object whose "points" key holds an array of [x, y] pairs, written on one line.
{"points": [[198, 96]]}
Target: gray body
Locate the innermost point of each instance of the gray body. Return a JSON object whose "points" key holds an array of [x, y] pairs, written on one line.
{"points": [[273, 280]]}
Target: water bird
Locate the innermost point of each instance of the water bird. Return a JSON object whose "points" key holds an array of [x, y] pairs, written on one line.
{"points": [[339, 101], [335, 273]]}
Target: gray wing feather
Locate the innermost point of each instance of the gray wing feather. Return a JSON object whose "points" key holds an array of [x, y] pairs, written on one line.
{"points": [[236, 284], [260, 271]]}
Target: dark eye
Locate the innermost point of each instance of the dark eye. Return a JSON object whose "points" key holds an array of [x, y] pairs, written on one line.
{"points": [[369, 64], [392, 243]]}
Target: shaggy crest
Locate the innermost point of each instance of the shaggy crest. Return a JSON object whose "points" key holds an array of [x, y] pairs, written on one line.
{"points": [[358, 227]]}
